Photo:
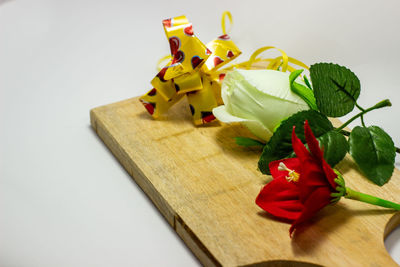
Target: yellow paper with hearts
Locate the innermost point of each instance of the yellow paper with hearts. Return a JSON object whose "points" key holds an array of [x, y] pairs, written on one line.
{"points": [[196, 70]]}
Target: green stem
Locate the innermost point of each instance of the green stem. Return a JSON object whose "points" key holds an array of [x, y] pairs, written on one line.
{"points": [[351, 194], [362, 121], [383, 103], [359, 107]]}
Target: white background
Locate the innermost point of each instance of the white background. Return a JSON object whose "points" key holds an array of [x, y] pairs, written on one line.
{"points": [[64, 199]]}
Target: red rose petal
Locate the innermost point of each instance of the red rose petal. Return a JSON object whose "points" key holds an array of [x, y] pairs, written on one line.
{"points": [[291, 163], [320, 198], [281, 199], [312, 142], [298, 147]]}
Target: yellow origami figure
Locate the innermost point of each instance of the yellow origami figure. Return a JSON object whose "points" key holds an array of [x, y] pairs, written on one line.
{"points": [[192, 71]]}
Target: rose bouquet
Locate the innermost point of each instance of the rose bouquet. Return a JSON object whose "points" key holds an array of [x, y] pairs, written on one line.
{"points": [[288, 113]]}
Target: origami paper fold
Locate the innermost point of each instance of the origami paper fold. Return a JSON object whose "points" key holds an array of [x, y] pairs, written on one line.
{"points": [[192, 72]]}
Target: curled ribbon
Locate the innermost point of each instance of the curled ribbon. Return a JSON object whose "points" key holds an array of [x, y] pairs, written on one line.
{"points": [[189, 72], [194, 70]]}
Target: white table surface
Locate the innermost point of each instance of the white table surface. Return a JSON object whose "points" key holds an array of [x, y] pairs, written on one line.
{"points": [[64, 199]]}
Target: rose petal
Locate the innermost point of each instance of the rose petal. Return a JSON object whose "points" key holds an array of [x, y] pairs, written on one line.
{"points": [[320, 198], [292, 164], [254, 126], [314, 147], [313, 178], [329, 174], [298, 147], [281, 199], [312, 142], [314, 174]]}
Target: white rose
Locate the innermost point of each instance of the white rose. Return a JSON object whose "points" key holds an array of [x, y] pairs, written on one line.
{"points": [[260, 99]]}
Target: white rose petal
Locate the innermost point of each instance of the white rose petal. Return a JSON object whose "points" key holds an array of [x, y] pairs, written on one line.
{"points": [[260, 99]]}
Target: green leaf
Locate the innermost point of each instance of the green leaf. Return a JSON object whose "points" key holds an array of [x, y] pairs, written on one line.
{"points": [[374, 152], [336, 88], [335, 147], [303, 91], [245, 141], [307, 82], [280, 144]]}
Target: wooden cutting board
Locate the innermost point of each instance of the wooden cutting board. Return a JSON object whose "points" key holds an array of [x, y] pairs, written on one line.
{"points": [[205, 186]]}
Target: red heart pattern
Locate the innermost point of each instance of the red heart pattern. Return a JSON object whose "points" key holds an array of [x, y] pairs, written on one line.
{"points": [[149, 106], [174, 44], [196, 60], [188, 30], [179, 56], [153, 92], [224, 37], [207, 116], [167, 22], [161, 74], [217, 61]]}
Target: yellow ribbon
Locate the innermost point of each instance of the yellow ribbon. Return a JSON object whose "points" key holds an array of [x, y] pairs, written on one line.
{"points": [[190, 71], [274, 62], [162, 60], [229, 15], [194, 69]]}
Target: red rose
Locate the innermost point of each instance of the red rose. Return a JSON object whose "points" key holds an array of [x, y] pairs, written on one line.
{"points": [[301, 186]]}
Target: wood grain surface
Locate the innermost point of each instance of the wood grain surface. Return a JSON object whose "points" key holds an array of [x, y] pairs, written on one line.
{"points": [[205, 186]]}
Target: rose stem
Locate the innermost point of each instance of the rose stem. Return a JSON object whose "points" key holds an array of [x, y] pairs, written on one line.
{"points": [[351, 194], [383, 103]]}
